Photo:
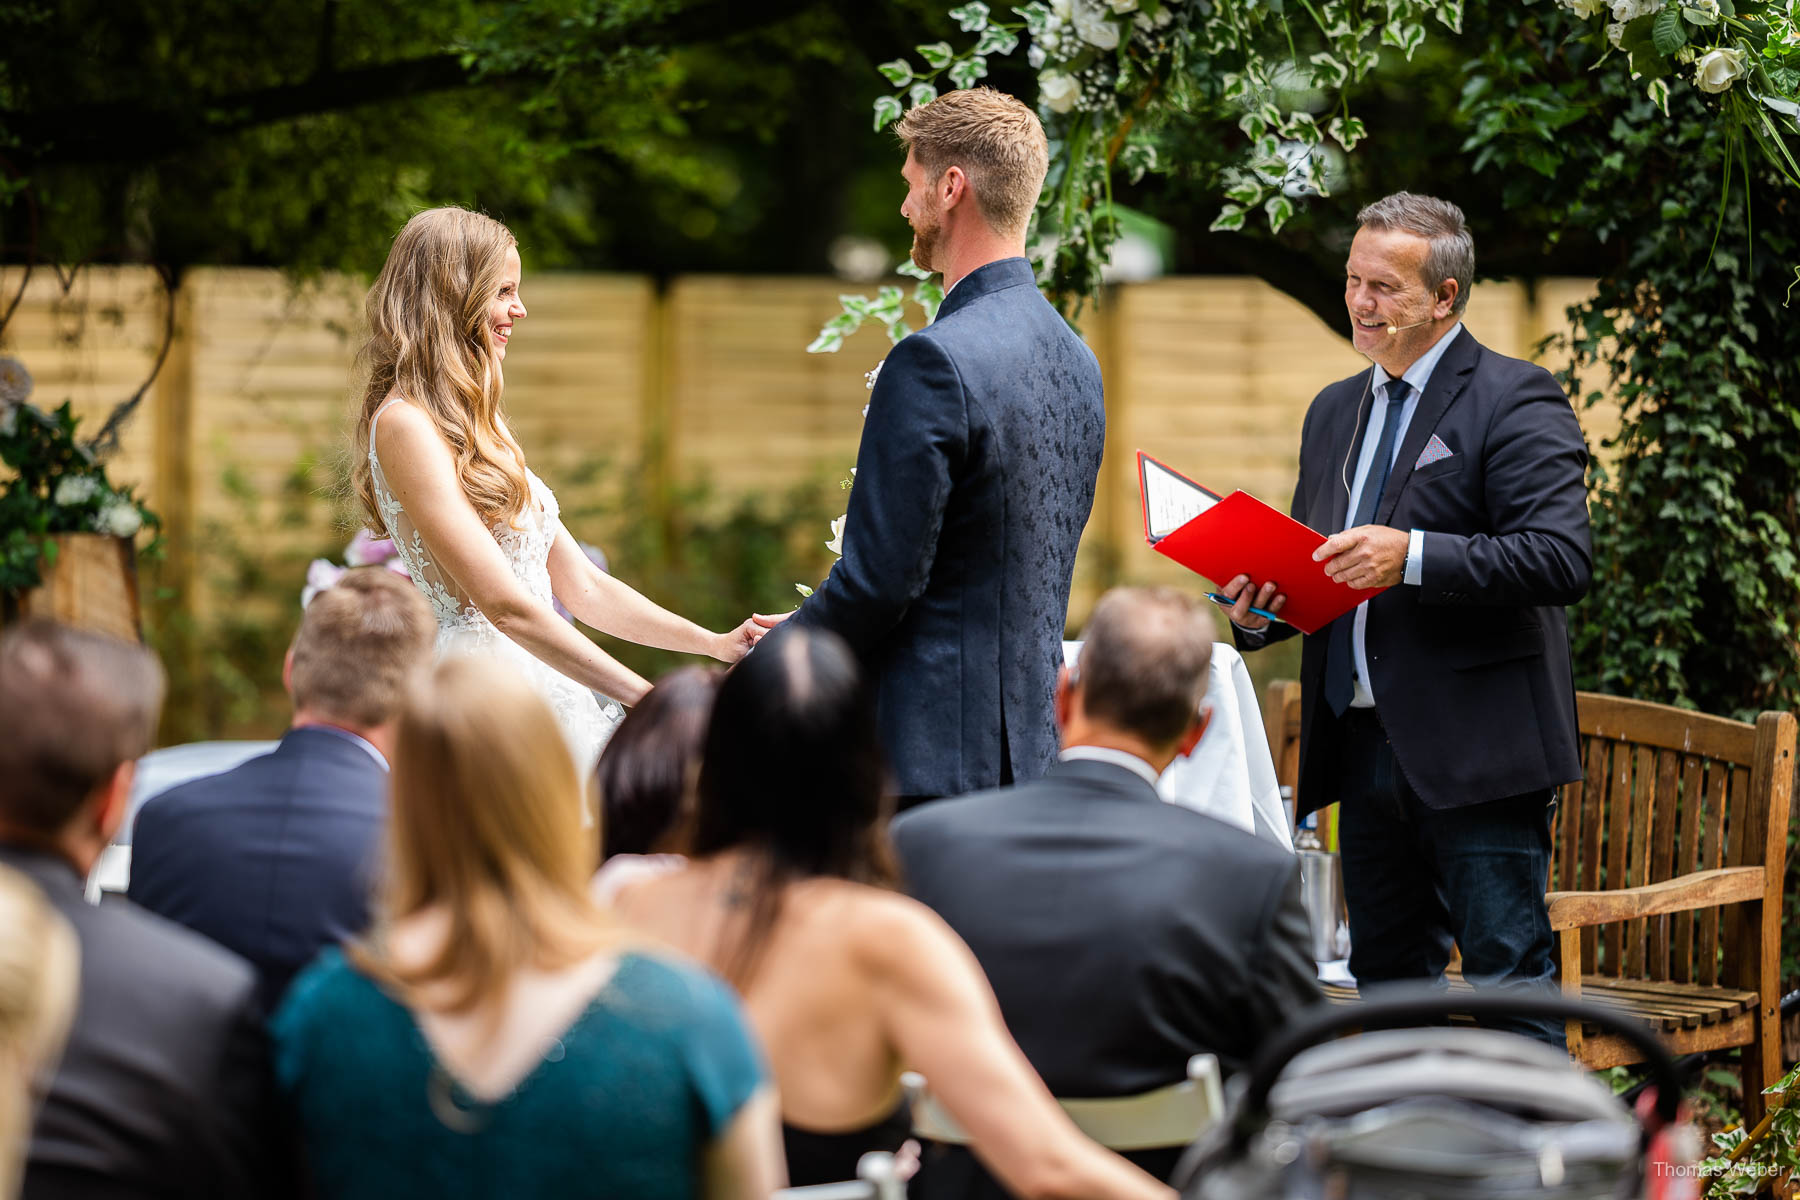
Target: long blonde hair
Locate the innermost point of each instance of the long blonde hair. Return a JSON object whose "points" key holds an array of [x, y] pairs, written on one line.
{"points": [[485, 827], [430, 341], [40, 969]]}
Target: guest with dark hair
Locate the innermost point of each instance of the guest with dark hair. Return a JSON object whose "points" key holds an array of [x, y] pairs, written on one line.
{"points": [[646, 775], [164, 1088], [788, 894]]}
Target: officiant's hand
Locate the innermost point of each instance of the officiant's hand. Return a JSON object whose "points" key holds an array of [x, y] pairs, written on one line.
{"points": [[1368, 556], [1245, 596]]}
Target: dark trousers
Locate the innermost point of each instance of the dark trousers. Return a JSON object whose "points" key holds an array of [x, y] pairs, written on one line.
{"points": [[1418, 878]]}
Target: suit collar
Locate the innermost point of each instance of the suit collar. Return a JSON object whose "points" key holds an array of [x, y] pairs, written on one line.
{"points": [[51, 872], [996, 276], [314, 738], [1128, 784], [1448, 379]]}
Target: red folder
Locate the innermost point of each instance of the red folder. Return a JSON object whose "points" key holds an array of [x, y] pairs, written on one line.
{"points": [[1240, 535]]}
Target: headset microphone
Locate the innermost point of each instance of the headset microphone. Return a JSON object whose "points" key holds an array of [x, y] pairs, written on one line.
{"points": [[1393, 329]]}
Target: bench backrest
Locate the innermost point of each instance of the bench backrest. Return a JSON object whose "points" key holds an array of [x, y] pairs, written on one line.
{"points": [[1668, 792]]}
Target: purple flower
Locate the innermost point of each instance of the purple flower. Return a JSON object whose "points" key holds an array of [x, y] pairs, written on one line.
{"points": [[367, 550], [319, 576]]}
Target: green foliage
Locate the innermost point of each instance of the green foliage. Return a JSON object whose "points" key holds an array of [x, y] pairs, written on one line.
{"points": [[58, 485], [1775, 1153]]}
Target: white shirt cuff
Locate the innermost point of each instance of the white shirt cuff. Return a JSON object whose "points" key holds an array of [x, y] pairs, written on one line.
{"points": [[1415, 559]]}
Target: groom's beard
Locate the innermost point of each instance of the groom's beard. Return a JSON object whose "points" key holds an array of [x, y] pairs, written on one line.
{"points": [[925, 244]]}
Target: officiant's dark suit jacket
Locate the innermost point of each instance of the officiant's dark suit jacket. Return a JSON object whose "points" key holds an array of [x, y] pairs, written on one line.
{"points": [[973, 483], [165, 1087], [1471, 669], [1121, 934], [272, 859]]}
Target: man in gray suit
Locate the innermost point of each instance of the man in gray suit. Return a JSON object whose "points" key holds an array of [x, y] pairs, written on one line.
{"points": [[976, 472], [1121, 934], [164, 1088]]}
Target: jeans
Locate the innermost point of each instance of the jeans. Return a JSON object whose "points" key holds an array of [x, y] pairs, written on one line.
{"points": [[1417, 879]]}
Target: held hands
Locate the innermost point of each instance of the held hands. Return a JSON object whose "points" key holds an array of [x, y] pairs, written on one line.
{"points": [[730, 647], [1368, 556], [1244, 596]]}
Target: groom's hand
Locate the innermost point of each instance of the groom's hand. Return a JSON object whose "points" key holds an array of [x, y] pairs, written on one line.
{"points": [[768, 622]]}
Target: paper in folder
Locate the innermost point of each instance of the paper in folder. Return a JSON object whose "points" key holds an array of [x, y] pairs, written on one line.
{"points": [[1222, 537]]}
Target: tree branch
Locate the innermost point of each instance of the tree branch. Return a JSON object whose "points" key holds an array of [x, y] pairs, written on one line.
{"points": [[129, 132]]}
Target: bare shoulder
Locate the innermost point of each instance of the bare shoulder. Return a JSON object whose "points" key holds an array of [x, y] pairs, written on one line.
{"points": [[404, 427], [891, 932]]}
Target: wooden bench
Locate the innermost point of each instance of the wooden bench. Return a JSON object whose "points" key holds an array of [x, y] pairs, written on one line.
{"points": [[1667, 876]]}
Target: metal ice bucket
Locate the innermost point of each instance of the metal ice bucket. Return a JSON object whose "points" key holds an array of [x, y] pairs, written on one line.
{"points": [[1322, 892]]}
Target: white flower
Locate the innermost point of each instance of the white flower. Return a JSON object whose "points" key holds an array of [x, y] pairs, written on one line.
{"points": [[1062, 10], [1615, 33], [1163, 17], [320, 575], [1630, 10], [1586, 8], [1095, 27], [1717, 70], [15, 383], [836, 544], [869, 377], [1702, 12], [1122, 6], [74, 489], [9, 420], [1036, 57], [118, 517], [1058, 91]]}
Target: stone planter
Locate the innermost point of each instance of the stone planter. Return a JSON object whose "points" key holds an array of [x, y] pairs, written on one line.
{"points": [[92, 584]]}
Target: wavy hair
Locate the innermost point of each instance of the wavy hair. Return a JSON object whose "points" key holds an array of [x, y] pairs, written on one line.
{"points": [[485, 824], [429, 341]]}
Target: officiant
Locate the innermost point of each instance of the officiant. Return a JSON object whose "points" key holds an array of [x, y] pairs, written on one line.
{"points": [[1440, 713]]}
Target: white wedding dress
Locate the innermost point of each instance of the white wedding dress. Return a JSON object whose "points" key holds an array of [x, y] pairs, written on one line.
{"points": [[586, 722]]}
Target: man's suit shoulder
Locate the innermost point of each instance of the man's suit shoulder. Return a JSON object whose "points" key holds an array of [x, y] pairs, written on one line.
{"points": [[177, 965]]}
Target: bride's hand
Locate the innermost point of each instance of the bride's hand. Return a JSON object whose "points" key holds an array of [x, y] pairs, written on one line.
{"points": [[729, 647]]}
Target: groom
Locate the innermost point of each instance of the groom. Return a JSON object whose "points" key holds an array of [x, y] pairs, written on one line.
{"points": [[975, 475]]}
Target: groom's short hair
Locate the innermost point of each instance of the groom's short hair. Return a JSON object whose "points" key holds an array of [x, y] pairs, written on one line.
{"points": [[997, 141], [360, 642], [1145, 657]]}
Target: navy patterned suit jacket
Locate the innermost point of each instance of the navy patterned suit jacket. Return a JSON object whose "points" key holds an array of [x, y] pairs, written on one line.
{"points": [[1471, 669], [974, 481]]}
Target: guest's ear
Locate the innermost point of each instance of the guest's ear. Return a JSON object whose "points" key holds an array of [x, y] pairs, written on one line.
{"points": [[1191, 738], [1065, 697], [287, 673], [114, 800]]}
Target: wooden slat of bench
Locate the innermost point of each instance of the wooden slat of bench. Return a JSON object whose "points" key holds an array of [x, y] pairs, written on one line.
{"points": [[1666, 725], [1618, 839], [1712, 854], [1687, 859], [1643, 798], [1662, 857]]}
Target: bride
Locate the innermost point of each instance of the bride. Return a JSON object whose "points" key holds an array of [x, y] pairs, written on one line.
{"points": [[439, 471]]}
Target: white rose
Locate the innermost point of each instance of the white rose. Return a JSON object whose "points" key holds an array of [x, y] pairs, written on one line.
{"points": [[1062, 10], [74, 489], [1096, 28], [1702, 12], [1122, 6], [1586, 8], [1717, 70], [15, 382], [119, 517], [1058, 91], [1630, 10], [836, 544]]}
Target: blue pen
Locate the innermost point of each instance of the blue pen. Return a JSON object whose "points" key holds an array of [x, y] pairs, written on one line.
{"points": [[1227, 602]]}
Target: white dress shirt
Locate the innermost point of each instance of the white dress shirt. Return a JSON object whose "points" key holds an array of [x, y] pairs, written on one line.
{"points": [[1417, 377]]}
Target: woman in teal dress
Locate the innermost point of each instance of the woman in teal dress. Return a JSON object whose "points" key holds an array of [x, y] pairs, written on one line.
{"points": [[497, 1035]]}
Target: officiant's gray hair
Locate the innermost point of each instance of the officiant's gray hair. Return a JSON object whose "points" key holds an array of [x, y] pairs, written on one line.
{"points": [[1145, 657], [997, 141], [1452, 253]]}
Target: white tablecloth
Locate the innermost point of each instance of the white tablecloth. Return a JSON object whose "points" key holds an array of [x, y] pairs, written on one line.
{"points": [[1230, 775]]}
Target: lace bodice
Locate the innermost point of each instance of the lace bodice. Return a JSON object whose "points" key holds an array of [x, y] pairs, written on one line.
{"points": [[462, 627], [527, 551]]}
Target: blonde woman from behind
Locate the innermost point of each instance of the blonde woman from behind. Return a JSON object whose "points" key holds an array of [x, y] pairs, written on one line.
{"points": [[40, 969], [497, 1034]]}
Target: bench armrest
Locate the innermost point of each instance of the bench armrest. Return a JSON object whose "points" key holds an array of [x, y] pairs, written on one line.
{"points": [[1702, 889]]}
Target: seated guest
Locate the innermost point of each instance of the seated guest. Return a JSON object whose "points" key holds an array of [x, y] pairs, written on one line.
{"points": [[273, 859], [846, 981], [40, 970], [164, 1086], [496, 1034], [1121, 934], [646, 776]]}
